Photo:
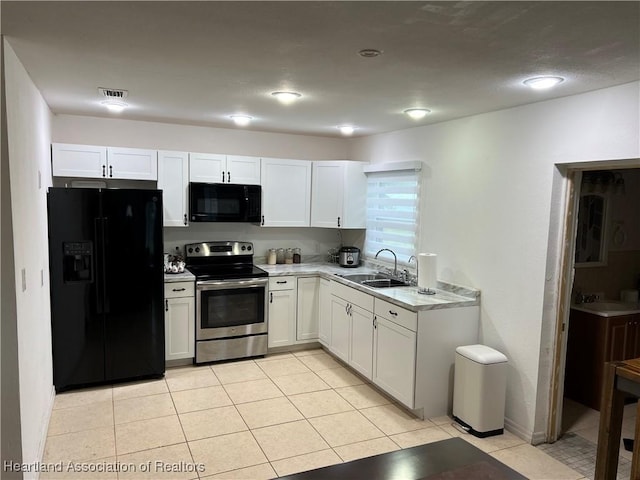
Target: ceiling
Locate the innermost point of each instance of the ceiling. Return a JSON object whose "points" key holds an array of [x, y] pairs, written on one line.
{"points": [[199, 62]]}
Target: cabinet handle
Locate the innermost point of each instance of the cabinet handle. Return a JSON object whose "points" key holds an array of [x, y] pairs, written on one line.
{"points": [[262, 219], [111, 170], [375, 322], [350, 310], [179, 289], [222, 177], [185, 218], [281, 283], [270, 297], [104, 170], [228, 177], [395, 314], [166, 305], [338, 221]]}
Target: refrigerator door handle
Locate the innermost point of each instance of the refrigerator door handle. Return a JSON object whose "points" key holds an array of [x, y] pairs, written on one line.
{"points": [[105, 233], [99, 288]]}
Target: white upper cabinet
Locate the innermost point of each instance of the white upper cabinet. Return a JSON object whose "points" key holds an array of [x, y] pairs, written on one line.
{"points": [[243, 170], [338, 195], [215, 168], [86, 161], [173, 180], [286, 192], [90, 161], [207, 167], [132, 163]]}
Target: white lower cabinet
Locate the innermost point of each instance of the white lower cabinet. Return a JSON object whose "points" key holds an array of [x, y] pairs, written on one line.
{"points": [[179, 320], [324, 312], [340, 328], [352, 327], [307, 309], [282, 311], [394, 360], [361, 355]]}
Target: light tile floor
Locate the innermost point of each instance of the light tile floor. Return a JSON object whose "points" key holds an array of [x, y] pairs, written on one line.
{"points": [[251, 419], [578, 445]]}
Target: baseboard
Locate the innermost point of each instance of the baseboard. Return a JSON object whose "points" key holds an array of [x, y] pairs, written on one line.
{"points": [[538, 437], [518, 430], [46, 420]]}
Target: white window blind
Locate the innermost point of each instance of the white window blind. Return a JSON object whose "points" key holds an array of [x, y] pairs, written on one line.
{"points": [[392, 213]]}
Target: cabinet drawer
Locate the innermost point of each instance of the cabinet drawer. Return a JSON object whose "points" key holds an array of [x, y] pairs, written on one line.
{"points": [[282, 283], [401, 316], [179, 289], [353, 296]]}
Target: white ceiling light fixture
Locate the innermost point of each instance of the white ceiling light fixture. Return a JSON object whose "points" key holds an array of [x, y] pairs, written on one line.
{"points": [[241, 120], [346, 129], [543, 82], [114, 106], [286, 97], [417, 113]]}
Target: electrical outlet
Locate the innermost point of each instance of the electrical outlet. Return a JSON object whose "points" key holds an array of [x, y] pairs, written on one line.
{"points": [[41, 277], [39, 179], [24, 279]]}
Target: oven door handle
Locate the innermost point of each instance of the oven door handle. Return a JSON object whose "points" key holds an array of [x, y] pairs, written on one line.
{"points": [[227, 284]]}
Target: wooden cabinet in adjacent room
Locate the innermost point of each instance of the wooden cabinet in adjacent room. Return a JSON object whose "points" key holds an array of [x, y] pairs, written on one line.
{"points": [[594, 340]]}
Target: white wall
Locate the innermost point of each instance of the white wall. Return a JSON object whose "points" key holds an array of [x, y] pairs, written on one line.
{"points": [[165, 136], [29, 138], [486, 210]]}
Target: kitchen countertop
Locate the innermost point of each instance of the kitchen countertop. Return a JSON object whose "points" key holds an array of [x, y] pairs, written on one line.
{"points": [[447, 295], [608, 308], [185, 276]]}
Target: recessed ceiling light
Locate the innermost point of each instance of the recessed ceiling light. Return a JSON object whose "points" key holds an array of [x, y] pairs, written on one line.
{"points": [[542, 83], [286, 97], [346, 129], [417, 113], [115, 106], [241, 120], [370, 53]]}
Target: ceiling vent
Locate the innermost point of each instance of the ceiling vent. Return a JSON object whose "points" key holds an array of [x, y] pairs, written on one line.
{"points": [[113, 93]]}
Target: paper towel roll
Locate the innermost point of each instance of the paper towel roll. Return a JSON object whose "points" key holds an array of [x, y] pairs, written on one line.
{"points": [[427, 270]]}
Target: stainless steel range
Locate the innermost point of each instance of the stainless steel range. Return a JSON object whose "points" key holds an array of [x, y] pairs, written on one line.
{"points": [[231, 301]]}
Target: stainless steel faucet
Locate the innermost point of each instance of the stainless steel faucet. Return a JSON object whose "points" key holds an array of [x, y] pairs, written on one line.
{"points": [[413, 257], [395, 260]]}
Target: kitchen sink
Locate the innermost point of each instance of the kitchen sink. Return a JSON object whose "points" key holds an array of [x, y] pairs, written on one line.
{"points": [[374, 280]]}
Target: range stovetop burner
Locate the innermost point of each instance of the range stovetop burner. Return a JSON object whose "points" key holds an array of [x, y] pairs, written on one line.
{"points": [[222, 260]]}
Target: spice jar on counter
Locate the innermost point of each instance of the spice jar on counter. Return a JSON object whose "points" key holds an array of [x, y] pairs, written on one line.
{"points": [[280, 255], [271, 256], [288, 255], [297, 257]]}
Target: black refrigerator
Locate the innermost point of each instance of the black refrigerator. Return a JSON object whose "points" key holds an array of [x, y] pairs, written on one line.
{"points": [[106, 268]]}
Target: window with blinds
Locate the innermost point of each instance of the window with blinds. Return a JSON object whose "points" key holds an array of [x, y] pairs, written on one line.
{"points": [[392, 213]]}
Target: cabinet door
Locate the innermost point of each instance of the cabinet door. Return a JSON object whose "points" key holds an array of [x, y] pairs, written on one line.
{"points": [[286, 192], [340, 328], [173, 180], [361, 353], [307, 318], [243, 170], [324, 313], [394, 357], [132, 163], [634, 337], [327, 194], [179, 326], [618, 344], [207, 167], [282, 318], [86, 161]]}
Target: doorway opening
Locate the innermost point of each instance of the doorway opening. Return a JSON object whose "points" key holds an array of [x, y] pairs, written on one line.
{"points": [[599, 273]]}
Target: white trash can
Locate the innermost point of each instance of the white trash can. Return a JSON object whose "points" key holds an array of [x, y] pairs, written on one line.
{"points": [[479, 390]]}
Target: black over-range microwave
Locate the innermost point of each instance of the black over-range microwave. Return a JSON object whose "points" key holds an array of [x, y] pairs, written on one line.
{"points": [[224, 202]]}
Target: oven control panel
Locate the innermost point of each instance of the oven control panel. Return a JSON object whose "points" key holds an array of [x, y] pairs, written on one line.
{"points": [[218, 249]]}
